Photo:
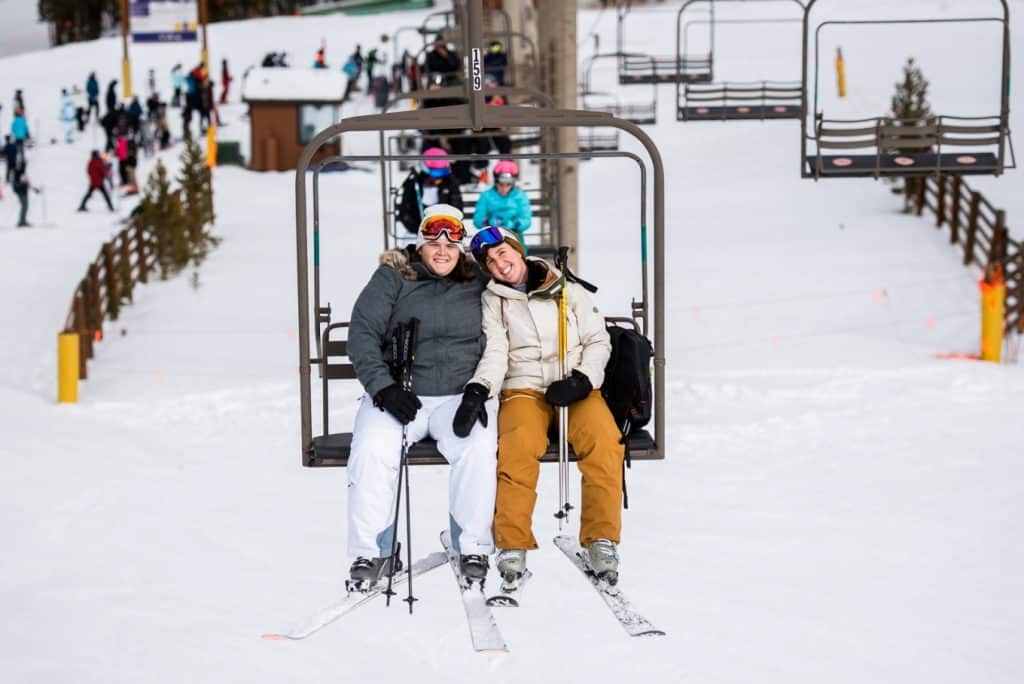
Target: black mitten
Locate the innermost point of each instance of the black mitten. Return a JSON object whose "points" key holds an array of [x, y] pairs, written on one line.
{"points": [[400, 403], [470, 410], [564, 392]]}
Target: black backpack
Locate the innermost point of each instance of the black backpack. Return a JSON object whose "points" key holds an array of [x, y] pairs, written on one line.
{"points": [[627, 378]]}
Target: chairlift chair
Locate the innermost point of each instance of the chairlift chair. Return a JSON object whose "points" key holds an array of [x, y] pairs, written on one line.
{"points": [[635, 68], [332, 449], [594, 101], [884, 146]]}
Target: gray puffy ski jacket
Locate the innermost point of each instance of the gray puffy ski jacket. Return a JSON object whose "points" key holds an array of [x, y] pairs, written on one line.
{"points": [[451, 338]]}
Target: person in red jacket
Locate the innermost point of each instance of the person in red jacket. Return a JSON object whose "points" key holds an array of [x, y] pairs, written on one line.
{"points": [[97, 170]]}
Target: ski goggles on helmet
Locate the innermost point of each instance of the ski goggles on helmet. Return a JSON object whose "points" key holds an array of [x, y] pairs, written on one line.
{"points": [[435, 225], [505, 179], [486, 237]]}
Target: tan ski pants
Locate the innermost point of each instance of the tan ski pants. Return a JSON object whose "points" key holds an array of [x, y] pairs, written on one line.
{"points": [[523, 422]]}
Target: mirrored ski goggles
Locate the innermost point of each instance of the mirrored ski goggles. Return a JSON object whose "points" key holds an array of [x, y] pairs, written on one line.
{"points": [[435, 225], [488, 236], [505, 179]]}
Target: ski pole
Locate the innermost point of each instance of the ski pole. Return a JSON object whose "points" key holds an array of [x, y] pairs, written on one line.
{"points": [[414, 331], [563, 412], [398, 352]]}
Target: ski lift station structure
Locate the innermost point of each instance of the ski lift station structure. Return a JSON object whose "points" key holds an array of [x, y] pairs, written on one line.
{"points": [[332, 449], [706, 100], [883, 146]]}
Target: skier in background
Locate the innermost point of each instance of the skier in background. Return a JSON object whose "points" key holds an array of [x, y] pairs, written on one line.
{"points": [[496, 61], [178, 81], [67, 115], [21, 189], [504, 204], [432, 184], [92, 92], [225, 81], [20, 131], [11, 157], [97, 171], [111, 97]]}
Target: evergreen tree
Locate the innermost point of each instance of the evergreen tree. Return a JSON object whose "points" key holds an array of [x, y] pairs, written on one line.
{"points": [[197, 200], [164, 220], [910, 108], [911, 98]]}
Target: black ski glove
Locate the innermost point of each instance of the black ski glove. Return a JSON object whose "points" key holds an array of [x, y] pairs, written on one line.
{"points": [[470, 410], [400, 403], [564, 392]]}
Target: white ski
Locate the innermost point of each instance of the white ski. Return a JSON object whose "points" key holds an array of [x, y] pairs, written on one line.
{"points": [[483, 629], [354, 600], [632, 621]]}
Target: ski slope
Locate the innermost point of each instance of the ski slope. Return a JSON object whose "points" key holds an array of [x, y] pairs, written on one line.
{"points": [[836, 505]]}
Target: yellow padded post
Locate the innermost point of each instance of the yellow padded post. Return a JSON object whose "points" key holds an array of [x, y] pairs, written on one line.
{"points": [[67, 367]]}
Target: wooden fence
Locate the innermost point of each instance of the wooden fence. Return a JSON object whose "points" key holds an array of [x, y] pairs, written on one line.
{"points": [[981, 230], [109, 282]]}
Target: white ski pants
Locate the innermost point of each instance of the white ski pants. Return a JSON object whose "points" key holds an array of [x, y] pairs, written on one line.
{"points": [[373, 474]]}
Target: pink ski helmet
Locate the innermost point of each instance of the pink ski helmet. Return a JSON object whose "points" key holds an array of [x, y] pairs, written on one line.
{"points": [[436, 167], [506, 171]]}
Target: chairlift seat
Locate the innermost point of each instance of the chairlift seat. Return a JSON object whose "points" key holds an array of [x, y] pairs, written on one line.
{"points": [[741, 101], [644, 69], [333, 451], [903, 164]]}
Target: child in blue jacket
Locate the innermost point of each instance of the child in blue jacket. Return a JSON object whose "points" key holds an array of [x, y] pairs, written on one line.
{"points": [[505, 204]]}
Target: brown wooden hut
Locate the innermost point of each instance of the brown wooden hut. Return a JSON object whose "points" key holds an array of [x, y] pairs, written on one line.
{"points": [[287, 108]]}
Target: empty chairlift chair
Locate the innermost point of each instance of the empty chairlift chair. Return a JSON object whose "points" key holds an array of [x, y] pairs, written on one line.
{"points": [[636, 67], [739, 100], [886, 146]]}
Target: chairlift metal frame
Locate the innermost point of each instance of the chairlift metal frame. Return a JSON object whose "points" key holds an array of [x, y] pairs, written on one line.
{"points": [[652, 69], [330, 449], [888, 138]]}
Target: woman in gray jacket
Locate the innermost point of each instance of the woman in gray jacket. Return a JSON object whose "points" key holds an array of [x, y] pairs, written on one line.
{"points": [[437, 284]]}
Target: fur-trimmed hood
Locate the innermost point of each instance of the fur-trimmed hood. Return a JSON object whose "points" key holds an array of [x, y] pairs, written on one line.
{"points": [[399, 260]]}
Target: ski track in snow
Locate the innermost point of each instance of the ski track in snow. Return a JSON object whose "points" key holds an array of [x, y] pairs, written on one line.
{"points": [[836, 505]]}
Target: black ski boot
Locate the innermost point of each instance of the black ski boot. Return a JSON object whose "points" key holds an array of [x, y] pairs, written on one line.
{"points": [[365, 573], [474, 566]]}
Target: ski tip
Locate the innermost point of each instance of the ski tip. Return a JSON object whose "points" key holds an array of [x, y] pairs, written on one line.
{"points": [[502, 601], [650, 633], [273, 637]]}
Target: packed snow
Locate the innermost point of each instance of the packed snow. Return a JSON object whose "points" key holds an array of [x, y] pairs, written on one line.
{"points": [[836, 503]]}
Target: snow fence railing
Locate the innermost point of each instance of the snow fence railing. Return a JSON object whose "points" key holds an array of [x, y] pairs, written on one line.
{"points": [[980, 228]]}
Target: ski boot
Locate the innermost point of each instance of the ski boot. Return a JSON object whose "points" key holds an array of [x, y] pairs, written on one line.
{"points": [[603, 559], [474, 566], [365, 573], [511, 567]]}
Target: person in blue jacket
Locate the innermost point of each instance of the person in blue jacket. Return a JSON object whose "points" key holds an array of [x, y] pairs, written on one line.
{"points": [[19, 129], [505, 204], [92, 92]]}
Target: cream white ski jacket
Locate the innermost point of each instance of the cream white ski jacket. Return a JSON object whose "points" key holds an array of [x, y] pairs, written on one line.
{"points": [[522, 334]]}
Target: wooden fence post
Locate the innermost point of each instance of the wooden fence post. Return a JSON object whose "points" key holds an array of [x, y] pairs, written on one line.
{"points": [[919, 194], [997, 250], [940, 202], [124, 265], [110, 278], [954, 218], [94, 307], [84, 336], [140, 246], [972, 227], [1020, 288]]}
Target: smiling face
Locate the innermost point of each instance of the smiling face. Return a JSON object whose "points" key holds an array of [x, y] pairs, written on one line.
{"points": [[440, 256], [506, 264]]}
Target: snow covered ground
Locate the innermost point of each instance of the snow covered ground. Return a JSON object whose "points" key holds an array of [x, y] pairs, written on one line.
{"points": [[836, 504]]}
